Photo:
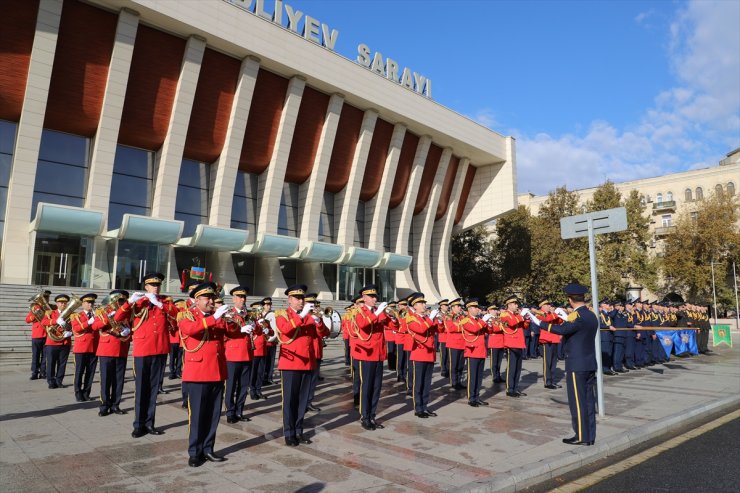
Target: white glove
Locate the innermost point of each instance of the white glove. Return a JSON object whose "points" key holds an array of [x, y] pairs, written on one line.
{"points": [[380, 308], [524, 312], [67, 334], [433, 314], [487, 317], [220, 311], [112, 314], [135, 297], [90, 321], [153, 300], [534, 319], [125, 332], [61, 322], [247, 329], [261, 321], [561, 313], [308, 307], [316, 320]]}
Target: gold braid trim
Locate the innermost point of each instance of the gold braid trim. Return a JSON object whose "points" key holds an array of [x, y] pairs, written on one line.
{"points": [[189, 316], [142, 316], [410, 317], [463, 331], [284, 314]]}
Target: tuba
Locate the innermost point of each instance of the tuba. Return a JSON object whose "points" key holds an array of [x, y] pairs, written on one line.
{"points": [[111, 306], [54, 331], [39, 306]]}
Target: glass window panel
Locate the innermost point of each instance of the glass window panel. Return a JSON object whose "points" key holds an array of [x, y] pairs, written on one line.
{"points": [[282, 220], [240, 225], [63, 148], [3, 200], [191, 222], [130, 190], [687, 195], [239, 209], [191, 200], [7, 136], [132, 161], [6, 161], [190, 173], [116, 212], [239, 187], [60, 179], [730, 189], [54, 199]]}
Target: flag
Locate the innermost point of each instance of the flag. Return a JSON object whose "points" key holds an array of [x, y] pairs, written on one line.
{"points": [[720, 334], [689, 337], [680, 342], [666, 340], [198, 273]]}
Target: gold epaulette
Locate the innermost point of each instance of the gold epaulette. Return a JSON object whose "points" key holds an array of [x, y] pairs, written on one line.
{"points": [[464, 320], [74, 317], [187, 314], [573, 315], [282, 313], [409, 318]]}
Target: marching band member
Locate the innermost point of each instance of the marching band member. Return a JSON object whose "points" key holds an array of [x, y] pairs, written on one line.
{"points": [[270, 348], [297, 328], [259, 352], [318, 346], [422, 330], [402, 361], [202, 329], [579, 336], [513, 328], [85, 347], [355, 372], [57, 352], [239, 356], [112, 353], [473, 333], [151, 329], [38, 338], [456, 345], [549, 343], [496, 345], [369, 351], [620, 321], [441, 337], [390, 338], [345, 337]]}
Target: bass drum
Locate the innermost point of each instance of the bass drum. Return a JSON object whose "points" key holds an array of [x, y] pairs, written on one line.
{"points": [[270, 317], [334, 322]]}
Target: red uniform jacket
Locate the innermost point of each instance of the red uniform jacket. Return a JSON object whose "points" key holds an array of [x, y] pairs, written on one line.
{"points": [[441, 332], [109, 345], [318, 342], [239, 346], [514, 325], [454, 334], [546, 336], [370, 342], [474, 334], [296, 338], [204, 362], [422, 330], [51, 319], [151, 325], [37, 329], [390, 330], [86, 339]]}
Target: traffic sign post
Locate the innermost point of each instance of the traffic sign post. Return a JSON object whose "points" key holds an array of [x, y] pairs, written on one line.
{"points": [[591, 224]]}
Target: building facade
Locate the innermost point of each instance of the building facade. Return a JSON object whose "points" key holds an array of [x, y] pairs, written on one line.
{"points": [[666, 197], [222, 139]]}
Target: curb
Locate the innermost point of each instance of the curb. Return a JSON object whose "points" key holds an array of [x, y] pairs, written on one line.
{"points": [[532, 474]]}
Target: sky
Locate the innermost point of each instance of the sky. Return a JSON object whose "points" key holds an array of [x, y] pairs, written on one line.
{"points": [[591, 90]]}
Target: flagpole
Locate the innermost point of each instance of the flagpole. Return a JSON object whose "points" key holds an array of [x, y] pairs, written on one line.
{"points": [[714, 293]]}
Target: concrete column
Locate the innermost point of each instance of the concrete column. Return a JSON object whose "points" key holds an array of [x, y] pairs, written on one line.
{"points": [[442, 236], [423, 229], [225, 168], [169, 157], [402, 216], [17, 250], [311, 192], [268, 277], [376, 209], [270, 186], [105, 142], [345, 202]]}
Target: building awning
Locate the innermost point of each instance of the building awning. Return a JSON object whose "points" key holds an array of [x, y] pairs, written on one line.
{"points": [[394, 261], [360, 257], [318, 251], [215, 238], [270, 245], [53, 218], [147, 229]]}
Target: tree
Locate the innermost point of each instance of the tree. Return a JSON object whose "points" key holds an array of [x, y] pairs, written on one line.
{"points": [[512, 248], [472, 268], [710, 235]]}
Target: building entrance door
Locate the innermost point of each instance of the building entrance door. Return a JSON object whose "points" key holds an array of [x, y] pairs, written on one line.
{"points": [[61, 260]]}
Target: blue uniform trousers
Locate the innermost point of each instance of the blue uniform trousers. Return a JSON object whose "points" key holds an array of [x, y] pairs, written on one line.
{"points": [[582, 401], [422, 381], [444, 360], [391, 346], [629, 351], [347, 358], [549, 362], [457, 366], [497, 355], [56, 363], [112, 372], [371, 378], [475, 377], [204, 410], [355, 379], [147, 374], [237, 386], [85, 366], [295, 386], [513, 369], [256, 377], [175, 360], [270, 352], [38, 367], [314, 381], [401, 363]]}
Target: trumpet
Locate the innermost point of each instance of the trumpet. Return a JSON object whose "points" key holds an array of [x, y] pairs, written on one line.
{"points": [[392, 313], [54, 331], [111, 306], [39, 306]]}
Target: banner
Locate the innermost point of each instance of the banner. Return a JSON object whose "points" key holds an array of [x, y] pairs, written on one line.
{"points": [[679, 342], [666, 340], [198, 273], [721, 334]]}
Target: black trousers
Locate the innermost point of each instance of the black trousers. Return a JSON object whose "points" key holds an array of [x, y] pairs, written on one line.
{"points": [[257, 377], [295, 386], [401, 363], [175, 360], [204, 410], [371, 378], [422, 382], [270, 352], [112, 373], [582, 401], [409, 370], [37, 356], [147, 375], [314, 381], [549, 362], [457, 366], [355, 368], [496, 355], [513, 369], [85, 366], [391, 345], [347, 361], [237, 386], [475, 377], [444, 359], [56, 363]]}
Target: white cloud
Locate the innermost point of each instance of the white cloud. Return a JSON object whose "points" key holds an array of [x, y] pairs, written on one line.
{"points": [[690, 125], [486, 117]]}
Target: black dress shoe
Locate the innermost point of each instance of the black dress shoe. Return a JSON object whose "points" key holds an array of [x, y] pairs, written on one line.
{"points": [[551, 386], [196, 461], [304, 439], [473, 404], [521, 394], [172, 377], [118, 410], [184, 405], [313, 408], [498, 380], [610, 372], [52, 385], [211, 457], [422, 415], [103, 412], [232, 419], [86, 396], [291, 441], [482, 403], [262, 396], [366, 424], [34, 377], [321, 379], [163, 391], [431, 414], [575, 441], [244, 418], [138, 432], [512, 394], [375, 424], [154, 431]]}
